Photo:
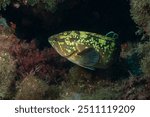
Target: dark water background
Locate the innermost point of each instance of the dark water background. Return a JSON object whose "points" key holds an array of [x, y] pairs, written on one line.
{"points": [[99, 16]]}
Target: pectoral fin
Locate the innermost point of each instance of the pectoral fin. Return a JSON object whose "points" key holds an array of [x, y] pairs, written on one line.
{"points": [[88, 58]]}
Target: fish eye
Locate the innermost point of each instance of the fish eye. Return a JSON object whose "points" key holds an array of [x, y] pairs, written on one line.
{"points": [[55, 39], [58, 39]]}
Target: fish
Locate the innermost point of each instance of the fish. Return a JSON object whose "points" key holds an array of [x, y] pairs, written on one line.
{"points": [[86, 49]]}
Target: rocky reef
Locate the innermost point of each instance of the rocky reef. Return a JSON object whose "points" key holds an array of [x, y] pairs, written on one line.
{"points": [[140, 12], [31, 69], [29, 86]]}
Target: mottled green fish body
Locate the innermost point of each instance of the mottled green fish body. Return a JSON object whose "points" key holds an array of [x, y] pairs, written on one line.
{"points": [[86, 49]]}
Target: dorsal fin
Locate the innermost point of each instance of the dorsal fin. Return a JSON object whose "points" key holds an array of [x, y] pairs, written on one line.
{"points": [[112, 35]]}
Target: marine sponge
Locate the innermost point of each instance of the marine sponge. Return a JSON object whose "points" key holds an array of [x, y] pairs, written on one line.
{"points": [[140, 12]]}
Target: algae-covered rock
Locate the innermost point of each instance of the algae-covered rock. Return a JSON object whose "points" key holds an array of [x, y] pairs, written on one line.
{"points": [[98, 90], [7, 75], [45, 4], [77, 82], [78, 73], [82, 84], [105, 90], [140, 12], [32, 88], [137, 88], [144, 52], [52, 93]]}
